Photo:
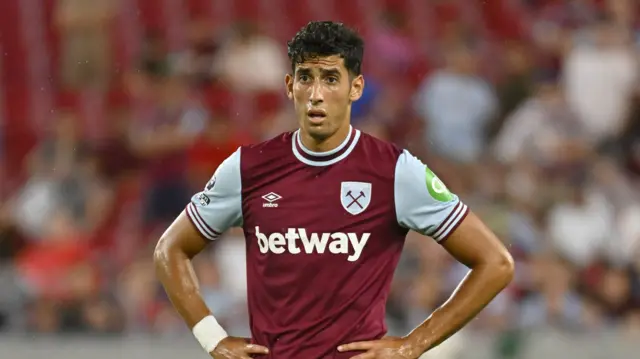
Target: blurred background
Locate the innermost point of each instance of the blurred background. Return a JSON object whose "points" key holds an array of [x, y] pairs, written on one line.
{"points": [[113, 112]]}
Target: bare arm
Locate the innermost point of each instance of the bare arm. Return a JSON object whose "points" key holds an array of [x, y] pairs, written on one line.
{"points": [[492, 268], [172, 257], [424, 204], [217, 206], [210, 212]]}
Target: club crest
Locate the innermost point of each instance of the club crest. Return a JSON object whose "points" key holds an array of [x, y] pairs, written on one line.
{"points": [[355, 196], [211, 183]]}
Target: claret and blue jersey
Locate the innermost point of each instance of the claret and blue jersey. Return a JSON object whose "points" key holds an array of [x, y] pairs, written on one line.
{"points": [[324, 232]]}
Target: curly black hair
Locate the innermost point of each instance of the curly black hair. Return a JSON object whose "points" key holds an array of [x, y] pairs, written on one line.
{"points": [[327, 38]]}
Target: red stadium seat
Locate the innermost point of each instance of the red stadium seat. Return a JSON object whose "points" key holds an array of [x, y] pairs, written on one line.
{"points": [[247, 10], [350, 15], [297, 14], [218, 99], [502, 20], [268, 103], [151, 14]]}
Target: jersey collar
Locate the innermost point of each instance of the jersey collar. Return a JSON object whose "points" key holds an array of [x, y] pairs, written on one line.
{"points": [[327, 158]]}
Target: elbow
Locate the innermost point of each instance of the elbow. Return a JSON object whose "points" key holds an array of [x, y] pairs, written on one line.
{"points": [[162, 253], [504, 267]]}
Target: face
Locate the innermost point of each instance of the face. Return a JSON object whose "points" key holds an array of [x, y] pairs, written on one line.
{"points": [[517, 59], [462, 60], [615, 287], [322, 92]]}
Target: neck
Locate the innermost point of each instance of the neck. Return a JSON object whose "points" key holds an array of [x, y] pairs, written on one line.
{"points": [[325, 144]]}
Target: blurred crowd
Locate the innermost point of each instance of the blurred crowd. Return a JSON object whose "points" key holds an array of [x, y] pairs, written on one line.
{"points": [[528, 109]]}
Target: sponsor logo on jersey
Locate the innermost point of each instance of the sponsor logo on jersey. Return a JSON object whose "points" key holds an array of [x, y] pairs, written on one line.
{"points": [[204, 199], [355, 196], [437, 189], [297, 241], [270, 199]]}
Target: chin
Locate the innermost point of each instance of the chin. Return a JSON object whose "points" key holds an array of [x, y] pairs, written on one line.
{"points": [[319, 131]]}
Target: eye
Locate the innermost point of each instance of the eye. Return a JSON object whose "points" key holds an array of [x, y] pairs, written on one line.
{"points": [[304, 78], [332, 80]]}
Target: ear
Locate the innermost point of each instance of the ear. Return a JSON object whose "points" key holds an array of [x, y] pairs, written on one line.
{"points": [[357, 87], [288, 82]]}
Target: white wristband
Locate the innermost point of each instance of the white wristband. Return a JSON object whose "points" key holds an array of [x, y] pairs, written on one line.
{"points": [[209, 333]]}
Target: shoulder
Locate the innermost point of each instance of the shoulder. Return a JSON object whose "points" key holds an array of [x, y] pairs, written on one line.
{"points": [[412, 174], [409, 168], [270, 147], [375, 157], [281, 140], [266, 152], [379, 149]]}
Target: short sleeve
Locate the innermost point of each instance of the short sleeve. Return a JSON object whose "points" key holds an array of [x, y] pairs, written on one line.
{"points": [[423, 202], [219, 206]]}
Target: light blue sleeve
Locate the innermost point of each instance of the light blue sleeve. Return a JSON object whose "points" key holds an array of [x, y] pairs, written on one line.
{"points": [[219, 206], [423, 203]]}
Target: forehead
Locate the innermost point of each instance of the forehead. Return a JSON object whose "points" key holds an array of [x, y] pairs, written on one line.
{"points": [[322, 63]]}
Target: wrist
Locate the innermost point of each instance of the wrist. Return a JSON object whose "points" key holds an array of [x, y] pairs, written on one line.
{"points": [[208, 333], [416, 344]]}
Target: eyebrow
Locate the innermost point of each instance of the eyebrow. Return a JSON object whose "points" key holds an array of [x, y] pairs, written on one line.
{"points": [[330, 71], [325, 72]]}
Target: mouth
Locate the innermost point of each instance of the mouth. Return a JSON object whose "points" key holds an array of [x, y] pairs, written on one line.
{"points": [[316, 116]]}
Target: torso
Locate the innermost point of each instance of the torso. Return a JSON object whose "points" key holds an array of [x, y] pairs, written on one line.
{"points": [[305, 300]]}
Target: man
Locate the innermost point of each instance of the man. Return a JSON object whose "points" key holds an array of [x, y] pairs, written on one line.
{"points": [[325, 211]]}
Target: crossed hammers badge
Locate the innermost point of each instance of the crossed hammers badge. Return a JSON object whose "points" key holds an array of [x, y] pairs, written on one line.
{"points": [[355, 196]]}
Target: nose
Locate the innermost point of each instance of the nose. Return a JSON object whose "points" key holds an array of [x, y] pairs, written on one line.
{"points": [[316, 96]]}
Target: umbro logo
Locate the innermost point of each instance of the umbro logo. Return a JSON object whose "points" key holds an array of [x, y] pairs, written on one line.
{"points": [[270, 199]]}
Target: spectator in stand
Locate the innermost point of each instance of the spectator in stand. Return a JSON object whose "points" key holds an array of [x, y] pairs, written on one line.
{"points": [[457, 106], [394, 52], [84, 30], [167, 120], [600, 79], [63, 177], [580, 226], [543, 129], [249, 61], [516, 85], [197, 61]]}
